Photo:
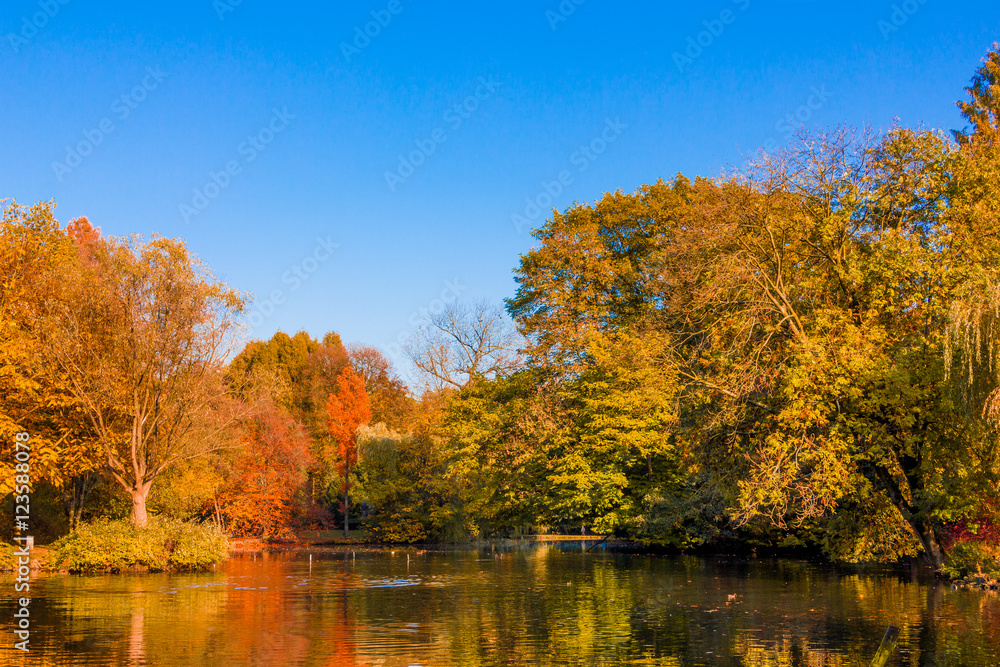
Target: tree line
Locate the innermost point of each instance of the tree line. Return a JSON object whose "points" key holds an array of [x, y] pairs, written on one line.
{"points": [[800, 353]]}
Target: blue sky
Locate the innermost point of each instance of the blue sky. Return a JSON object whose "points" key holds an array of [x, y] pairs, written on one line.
{"points": [[250, 129]]}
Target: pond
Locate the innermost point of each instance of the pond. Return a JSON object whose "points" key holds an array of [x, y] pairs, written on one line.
{"points": [[538, 605]]}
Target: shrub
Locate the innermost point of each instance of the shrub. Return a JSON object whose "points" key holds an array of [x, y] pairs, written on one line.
{"points": [[396, 528], [973, 543], [198, 546], [969, 558], [114, 546]]}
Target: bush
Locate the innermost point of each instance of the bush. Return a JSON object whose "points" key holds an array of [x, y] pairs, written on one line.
{"points": [[971, 558], [115, 546], [396, 528], [198, 546]]}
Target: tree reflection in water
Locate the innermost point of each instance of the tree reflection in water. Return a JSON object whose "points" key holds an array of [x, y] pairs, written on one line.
{"points": [[529, 606], [136, 643]]}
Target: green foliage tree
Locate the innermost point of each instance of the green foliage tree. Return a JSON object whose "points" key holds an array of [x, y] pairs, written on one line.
{"points": [[800, 315], [982, 110], [406, 481]]}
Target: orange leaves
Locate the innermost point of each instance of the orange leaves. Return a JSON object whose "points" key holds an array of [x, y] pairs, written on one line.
{"points": [[87, 239], [256, 514], [348, 409], [268, 475]]}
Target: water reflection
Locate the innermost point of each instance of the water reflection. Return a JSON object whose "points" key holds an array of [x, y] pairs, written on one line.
{"points": [[136, 644], [537, 606]]}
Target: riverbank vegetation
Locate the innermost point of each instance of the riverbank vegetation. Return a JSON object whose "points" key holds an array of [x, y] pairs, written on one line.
{"points": [[800, 354], [120, 546]]}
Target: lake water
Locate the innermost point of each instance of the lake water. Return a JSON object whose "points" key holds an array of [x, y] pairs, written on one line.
{"points": [[543, 605]]}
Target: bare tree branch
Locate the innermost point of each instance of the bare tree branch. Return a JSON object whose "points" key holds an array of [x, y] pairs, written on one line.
{"points": [[465, 342]]}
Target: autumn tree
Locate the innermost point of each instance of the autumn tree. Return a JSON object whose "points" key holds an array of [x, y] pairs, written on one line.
{"points": [[269, 472], [306, 371], [390, 401], [35, 396], [841, 276], [799, 313], [975, 315], [31, 247], [347, 409], [82, 459], [982, 110], [141, 334], [307, 367]]}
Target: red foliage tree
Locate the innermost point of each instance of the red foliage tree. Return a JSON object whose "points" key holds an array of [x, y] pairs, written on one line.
{"points": [[267, 476], [347, 410]]}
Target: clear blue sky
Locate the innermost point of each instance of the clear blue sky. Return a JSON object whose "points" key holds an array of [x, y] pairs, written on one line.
{"points": [[183, 87]]}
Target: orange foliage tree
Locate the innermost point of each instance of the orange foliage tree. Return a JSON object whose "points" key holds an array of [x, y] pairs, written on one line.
{"points": [[348, 409], [268, 474], [35, 396]]}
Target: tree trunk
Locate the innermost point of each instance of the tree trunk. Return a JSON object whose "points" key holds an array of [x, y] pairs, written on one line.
{"points": [[70, 502], [923, 530], [139, 494], [74, 520], [928, 538], [74, 495], [347, 498], [347, 513]]}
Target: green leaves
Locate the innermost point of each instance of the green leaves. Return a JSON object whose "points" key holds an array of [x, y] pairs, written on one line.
{"points": [[775, 344]]}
